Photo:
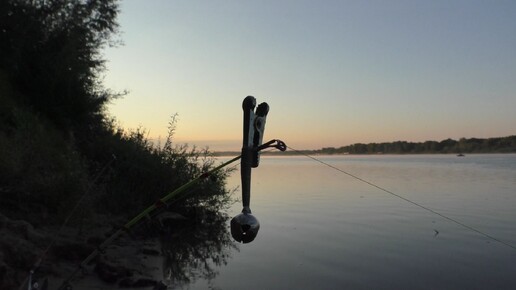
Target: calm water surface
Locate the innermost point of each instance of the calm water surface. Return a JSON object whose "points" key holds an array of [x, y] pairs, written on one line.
{"points": [[321, 229]]}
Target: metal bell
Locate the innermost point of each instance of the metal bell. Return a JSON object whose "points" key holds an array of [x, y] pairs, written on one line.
{"points": [[244, 227]]}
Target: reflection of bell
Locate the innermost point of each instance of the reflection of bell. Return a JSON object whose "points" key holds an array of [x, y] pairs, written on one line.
{"points": [[244, 227]]}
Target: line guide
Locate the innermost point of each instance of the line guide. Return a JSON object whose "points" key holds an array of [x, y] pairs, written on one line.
{"points": [[244, 230]]}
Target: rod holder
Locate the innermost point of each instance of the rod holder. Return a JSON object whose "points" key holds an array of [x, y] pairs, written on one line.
{"points": [[244, 226]]}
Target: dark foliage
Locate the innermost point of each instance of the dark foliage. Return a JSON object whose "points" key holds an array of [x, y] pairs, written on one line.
{"points": [[143, 172], [472, 145], [56, 139], [51, 52], [58, 146]]}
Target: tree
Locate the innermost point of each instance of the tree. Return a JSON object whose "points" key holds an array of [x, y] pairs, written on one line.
{"points": [[50, 49]]}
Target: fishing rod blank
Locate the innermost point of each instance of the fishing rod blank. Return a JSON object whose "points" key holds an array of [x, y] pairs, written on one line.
{"points": [[158, 204], [244, 227]]}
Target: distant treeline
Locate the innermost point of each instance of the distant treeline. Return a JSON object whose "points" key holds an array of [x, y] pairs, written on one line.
{"points": [[463, 145]]}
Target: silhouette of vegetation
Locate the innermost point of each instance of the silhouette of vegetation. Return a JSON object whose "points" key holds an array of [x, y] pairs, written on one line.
{"points": [[463, 145], [57, 142], [55, 133], [472, 145], [51, 51]]}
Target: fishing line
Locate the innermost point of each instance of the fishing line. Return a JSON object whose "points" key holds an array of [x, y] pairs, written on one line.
{"points": [[278, 144], [407, 200]]}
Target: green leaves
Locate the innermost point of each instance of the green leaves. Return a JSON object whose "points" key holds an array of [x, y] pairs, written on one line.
{"points": [[51, 50]]}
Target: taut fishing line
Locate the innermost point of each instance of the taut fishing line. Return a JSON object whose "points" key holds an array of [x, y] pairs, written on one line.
{"points": [[407, 200]]}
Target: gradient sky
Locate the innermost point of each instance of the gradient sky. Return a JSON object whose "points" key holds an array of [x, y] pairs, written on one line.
{"points": [[333, 72]]}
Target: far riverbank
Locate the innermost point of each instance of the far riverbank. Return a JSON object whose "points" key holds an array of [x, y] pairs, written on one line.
{"points": [[447, 146]]}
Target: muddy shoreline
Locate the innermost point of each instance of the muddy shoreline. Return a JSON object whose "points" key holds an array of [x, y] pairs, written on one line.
{"points": [[132, 261]]}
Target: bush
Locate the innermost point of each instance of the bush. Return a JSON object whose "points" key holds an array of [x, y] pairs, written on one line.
{"points": [[41, 175], [56, 141], [144, 172]]}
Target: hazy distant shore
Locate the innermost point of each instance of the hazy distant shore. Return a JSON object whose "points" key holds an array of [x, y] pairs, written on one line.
{"points": [[447, 146]]}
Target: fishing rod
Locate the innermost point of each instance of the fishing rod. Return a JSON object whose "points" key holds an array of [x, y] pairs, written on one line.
{"points": [[244, 227], [125, 228]]}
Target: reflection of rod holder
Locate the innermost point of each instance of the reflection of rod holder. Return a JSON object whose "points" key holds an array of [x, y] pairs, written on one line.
{"points": [[244, 226]]}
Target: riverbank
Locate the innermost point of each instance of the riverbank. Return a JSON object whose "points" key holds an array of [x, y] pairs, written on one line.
{"points": [[130, 262], [447, 146]]}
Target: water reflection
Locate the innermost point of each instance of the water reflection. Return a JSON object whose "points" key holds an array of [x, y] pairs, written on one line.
{"points": [[324, 230], [194, 248]]}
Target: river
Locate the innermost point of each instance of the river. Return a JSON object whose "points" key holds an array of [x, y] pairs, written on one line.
{"points": [[323, 229]]}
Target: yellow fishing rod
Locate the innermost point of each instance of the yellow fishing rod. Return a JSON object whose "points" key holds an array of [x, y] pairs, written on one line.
{"points": [[244, 226], [158, 204]]}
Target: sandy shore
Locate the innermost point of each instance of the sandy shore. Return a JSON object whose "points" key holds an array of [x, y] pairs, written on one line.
{"points": [[131, 262]]}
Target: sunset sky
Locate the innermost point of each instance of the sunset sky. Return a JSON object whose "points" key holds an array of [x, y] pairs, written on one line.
{"points": [[333, 72]]}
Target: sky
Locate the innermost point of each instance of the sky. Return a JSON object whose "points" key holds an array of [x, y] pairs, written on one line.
{"points": [[334, 73]]}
